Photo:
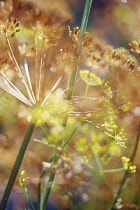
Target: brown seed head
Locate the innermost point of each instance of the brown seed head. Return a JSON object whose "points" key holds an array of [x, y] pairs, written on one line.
{"points": [[135, 47], [9, 26], [121, 58]]}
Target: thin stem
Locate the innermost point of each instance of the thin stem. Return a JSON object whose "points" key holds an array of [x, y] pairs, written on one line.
{"points": [[99, 166], [48, 189], [97, 126], [44, 170], [84, 23], [97, 200], [113, 170], [17, 165], [39, 188], [81, 35], [69, 138], [26, 195], [126, 173], [70, 93], [99, 174]]}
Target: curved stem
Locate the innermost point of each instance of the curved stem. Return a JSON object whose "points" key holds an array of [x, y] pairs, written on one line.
{"points": [[17, 165]]}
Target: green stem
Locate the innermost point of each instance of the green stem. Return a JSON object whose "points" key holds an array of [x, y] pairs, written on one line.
{"points": [[99, 166], [39, 188], [69, 138], [48, 189], [44, 170], [112, 170], [70, 93], [26, 195], [17, 165], [97, 126], [126, 173], [81, 35], [84, 23]]}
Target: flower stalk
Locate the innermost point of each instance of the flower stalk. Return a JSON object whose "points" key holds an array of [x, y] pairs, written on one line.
{"points": [[70, 93], [81, 35], [17, 164]]}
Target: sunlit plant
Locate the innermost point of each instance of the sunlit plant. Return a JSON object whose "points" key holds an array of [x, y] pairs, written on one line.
{"points": [[42, 66]]}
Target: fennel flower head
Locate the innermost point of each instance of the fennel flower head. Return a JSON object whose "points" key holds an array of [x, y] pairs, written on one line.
{"points": [[33, 66], [36, 65]]}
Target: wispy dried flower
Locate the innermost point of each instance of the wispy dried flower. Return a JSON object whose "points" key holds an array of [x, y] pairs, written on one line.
{"points": [[121, 58], [135, 47], [9, 26], [34, 60]]}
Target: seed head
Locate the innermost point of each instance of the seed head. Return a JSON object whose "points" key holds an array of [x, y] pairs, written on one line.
{"points": [[9, 26]]}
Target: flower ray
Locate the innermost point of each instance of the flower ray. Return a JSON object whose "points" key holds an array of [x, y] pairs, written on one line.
{"points": [[31, 93], [53, 88], [11, 88]]}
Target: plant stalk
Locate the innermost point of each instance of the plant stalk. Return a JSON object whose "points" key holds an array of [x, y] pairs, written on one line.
{"points": [[48, 189], [17, 165], [70, 93], [81, 35], [52, 175]]}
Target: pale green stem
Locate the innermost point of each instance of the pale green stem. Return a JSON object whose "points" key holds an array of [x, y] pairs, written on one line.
{"points": [[48, 189], [97, 195], [17, 165], [112, 170], [99, 175], [97, 126], [84, 23], [69, 138], [40, 205], [99, 166], [81, 35], [26, 195], [39, 188]]}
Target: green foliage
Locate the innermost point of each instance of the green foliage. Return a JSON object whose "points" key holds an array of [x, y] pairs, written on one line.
{"points": [[90, 78]]}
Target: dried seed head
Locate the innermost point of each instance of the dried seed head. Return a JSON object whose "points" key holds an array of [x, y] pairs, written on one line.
{"points": [[74, 34], [121, 58], [135, 47], [9, 26], [94, 51], [87, 40], [51, 34]]}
